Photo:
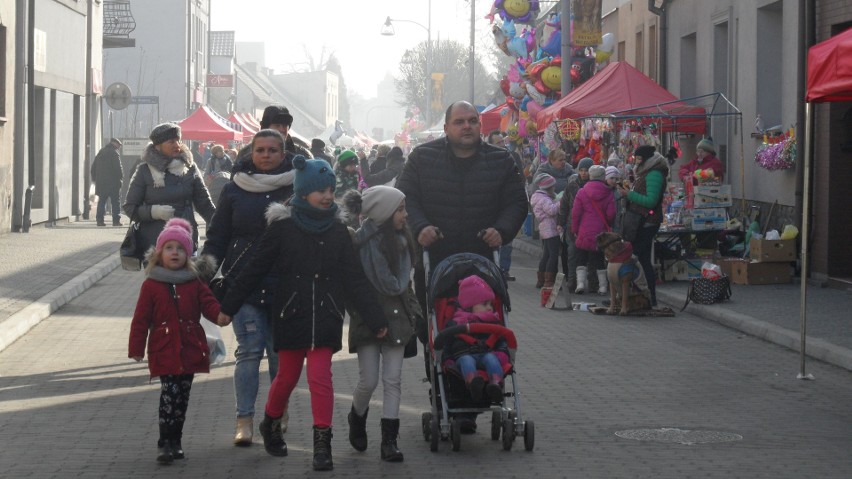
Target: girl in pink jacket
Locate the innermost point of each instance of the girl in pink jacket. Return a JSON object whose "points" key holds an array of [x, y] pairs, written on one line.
{"points": [[593, 213], [545, 207]]}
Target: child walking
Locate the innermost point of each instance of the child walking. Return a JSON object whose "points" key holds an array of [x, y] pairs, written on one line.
{"points": [[475, 301], [168, 315], [545, 207], [386, 249], [312, 250]]}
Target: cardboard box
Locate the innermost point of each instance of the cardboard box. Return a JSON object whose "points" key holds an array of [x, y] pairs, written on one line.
{"points": [[772, 251], [676, 271], [727, 265], [712, 196], [761, 273], [704, 219]]}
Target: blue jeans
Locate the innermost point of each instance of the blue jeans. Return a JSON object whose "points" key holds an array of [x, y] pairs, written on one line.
{"points": [[506, 257], [468, 364], [116, 208], [251, 326]]}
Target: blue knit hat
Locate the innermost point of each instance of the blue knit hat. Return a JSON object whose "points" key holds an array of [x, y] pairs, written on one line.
{"points": [[311, 175]]}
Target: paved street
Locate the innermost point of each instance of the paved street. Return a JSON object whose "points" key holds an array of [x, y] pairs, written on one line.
{"points": [[73, 405]]}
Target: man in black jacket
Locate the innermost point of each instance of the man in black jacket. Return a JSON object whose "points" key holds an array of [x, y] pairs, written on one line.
{"points": [[276, 118], [108, 177], [462, 196]]}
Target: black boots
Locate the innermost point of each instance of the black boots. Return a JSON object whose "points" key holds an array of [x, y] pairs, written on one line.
{"points": [[322, 449], [164, 445], [358, 430], [177, 434], [273, 438], [390, 431]]}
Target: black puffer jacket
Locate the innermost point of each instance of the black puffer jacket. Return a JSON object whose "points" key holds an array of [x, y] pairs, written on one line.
{"points": [[462, 196], [238, 224], [318, 272], [186, 193]]}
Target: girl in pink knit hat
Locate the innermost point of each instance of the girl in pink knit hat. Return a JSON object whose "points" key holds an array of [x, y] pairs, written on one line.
{"points": [[475, 301], [168, 315]]}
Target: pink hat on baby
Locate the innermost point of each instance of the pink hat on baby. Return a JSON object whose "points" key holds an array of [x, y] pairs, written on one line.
{"points": [[474, 290], [177, 229]]}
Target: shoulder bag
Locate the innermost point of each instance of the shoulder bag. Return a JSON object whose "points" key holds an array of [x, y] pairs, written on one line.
{"points": [[708, 291], [220, 284], [132, 249]]}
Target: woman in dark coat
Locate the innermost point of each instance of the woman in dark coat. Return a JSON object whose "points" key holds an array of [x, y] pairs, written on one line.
{"points": [[167, 184], [232, 239]]}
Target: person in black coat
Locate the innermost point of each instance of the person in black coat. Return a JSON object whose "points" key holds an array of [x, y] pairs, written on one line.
{"points": [[277, 118], [166, 184], [108, 176], [232, 240], [319, 270], [386, 167]]}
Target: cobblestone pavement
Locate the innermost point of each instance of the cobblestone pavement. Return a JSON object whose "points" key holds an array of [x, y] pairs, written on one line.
{"points": [[73, 405]]}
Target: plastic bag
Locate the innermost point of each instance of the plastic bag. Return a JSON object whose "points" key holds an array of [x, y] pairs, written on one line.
{"points": [[773, 235], [711, 271], [214, 342], [789, 232]]}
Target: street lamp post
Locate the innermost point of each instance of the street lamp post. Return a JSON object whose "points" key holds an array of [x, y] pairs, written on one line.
{"points": [[388, 30]]}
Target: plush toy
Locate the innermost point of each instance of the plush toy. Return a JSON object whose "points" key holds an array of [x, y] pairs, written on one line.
{"points": [[552, 36], [705, 175]]}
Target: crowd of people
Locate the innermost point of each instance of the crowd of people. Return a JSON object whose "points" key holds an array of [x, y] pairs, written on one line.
{"points": [[299, 239]]}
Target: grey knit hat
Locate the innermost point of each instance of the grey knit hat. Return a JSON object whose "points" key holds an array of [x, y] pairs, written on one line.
{"points": [[165, 132], [585, 163], [380, 202], [597, 172]]}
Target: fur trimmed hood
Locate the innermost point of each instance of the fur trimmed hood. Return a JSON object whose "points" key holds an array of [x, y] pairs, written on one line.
{"points": [[282, 211]]}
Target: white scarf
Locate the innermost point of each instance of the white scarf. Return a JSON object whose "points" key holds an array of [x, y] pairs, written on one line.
{"points": [[176, 167], [262, 183]]}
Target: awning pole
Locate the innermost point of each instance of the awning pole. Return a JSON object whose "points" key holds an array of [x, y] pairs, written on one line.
{"points": [[803, 297]]}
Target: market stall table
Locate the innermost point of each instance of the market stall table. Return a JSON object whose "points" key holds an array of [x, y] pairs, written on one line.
{"points": [[685, 242]]}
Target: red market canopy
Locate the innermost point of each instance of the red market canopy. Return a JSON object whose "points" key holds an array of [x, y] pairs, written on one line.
{"points": [[619, 88], [490, 120], [251, 120], [248, 129], [204, 124], [830, 69]]}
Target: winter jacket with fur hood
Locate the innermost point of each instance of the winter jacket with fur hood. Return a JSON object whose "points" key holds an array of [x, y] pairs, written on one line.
{"points": [[463, 196], [586, 222], [545, 209], [176, 341], [318, 273], [179, 186]]}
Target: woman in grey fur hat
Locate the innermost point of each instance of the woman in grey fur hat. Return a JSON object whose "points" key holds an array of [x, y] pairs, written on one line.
{"points": [[166, 185]]}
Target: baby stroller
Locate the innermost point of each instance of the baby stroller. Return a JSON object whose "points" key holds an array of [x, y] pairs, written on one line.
{"points": [[449, 396]]}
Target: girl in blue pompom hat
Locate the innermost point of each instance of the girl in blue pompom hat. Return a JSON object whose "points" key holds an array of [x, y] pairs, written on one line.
{"points": [[308, 244]]}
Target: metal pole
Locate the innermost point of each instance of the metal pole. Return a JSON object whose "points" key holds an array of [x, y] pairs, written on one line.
{"points": [[472, 51], [565, 22], [429, 68], [806, 199]]}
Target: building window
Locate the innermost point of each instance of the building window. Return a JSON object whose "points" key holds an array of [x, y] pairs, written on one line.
{"points": [[770, 62], [688, 64], [653, 49], [622, 48], [640, 52]]}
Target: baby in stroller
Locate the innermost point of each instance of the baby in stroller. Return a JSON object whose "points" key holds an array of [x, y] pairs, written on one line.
{"points": [[472, 351]]}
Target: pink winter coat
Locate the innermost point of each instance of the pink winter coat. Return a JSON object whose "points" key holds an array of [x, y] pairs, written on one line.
{"points": [[545, 210], [586, 222]]}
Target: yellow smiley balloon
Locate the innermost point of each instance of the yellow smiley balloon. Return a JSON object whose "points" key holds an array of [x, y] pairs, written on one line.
{"points": [[516, 8], [552, 77]]}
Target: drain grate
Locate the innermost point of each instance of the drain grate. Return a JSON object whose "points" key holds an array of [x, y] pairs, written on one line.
{"points": [[678, 436]]}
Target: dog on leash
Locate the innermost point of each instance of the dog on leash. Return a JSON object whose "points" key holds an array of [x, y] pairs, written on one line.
{"points": [[628, 289]]}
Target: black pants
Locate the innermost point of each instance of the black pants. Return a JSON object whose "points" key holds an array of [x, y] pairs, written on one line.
{"points": [[174, 398], [642, 248]]}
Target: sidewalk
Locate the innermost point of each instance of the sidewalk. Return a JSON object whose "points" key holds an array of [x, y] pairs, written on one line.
{"points": [[769, 312]]}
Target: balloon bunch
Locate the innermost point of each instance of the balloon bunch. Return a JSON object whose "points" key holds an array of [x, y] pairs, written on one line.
{"points": [[518, 11]]}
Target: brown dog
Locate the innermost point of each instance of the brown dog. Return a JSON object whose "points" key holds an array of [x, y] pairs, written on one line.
{"points": [[627, 285]]}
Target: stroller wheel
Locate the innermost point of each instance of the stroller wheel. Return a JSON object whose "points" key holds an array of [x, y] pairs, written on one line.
{"points": [[434, 434], [455, 435], [495, 425], [508, 434], [529, 435], [425, 423]]}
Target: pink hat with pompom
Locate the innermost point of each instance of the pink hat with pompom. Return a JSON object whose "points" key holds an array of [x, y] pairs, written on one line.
{"points": [[177, 229], [474, 290]]}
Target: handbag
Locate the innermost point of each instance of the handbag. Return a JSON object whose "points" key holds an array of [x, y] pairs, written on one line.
{"points": [[415, 315], [631, 224], [132, 249], [708, 291], [220, 284]]}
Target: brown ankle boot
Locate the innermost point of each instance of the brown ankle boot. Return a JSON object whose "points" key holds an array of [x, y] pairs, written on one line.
{"points": [[539, 279], [549, 278]]}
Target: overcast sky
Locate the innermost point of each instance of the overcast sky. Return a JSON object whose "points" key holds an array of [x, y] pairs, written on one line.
{"points": [[348, 28]]}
